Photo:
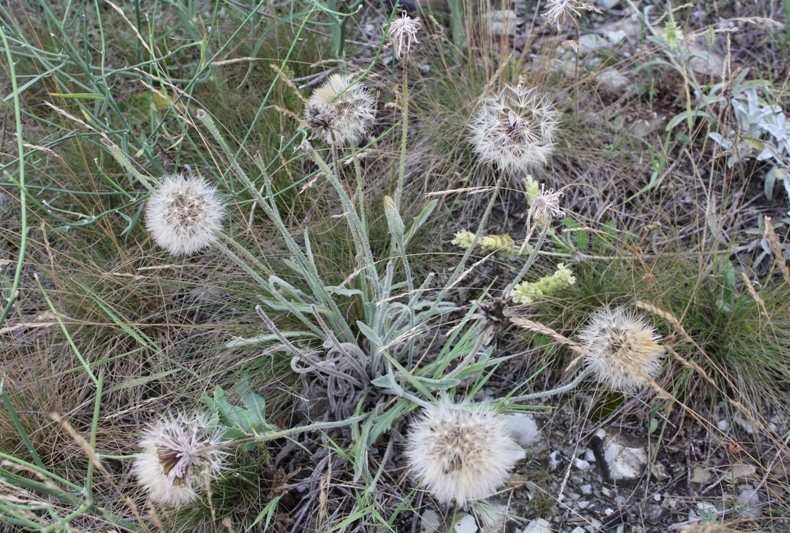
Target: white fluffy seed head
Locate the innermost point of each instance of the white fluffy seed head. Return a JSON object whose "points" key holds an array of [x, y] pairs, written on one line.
{"points": [[184, 214], [340, 111], [402, 33], [514, 129], [461, 452], [177, 457], [622, 349]]}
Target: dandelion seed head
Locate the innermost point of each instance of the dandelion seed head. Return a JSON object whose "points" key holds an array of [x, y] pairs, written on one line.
{"points": [[560, 12], [622, 349], [402, 33], [176, 456], [461, 453], [340, 111], [184, 214], [514, 129], [546, 205]]}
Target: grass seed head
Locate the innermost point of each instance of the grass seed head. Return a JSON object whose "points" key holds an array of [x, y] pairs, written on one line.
{"points": [[184, 214], [561, 12], [622, 349], [176, 451], [514, 129], [402, 33], [461, 453], [340, 111]]}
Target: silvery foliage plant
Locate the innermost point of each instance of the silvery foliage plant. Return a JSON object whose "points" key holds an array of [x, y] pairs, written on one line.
{"points": [[761, 127]]}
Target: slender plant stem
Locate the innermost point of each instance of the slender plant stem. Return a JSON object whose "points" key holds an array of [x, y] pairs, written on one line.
{"points": [[230, 254], [404, 132], [266, 437], [94, 431], [360, 190], [548, 393], [530, 261], [20, 144], [462, 264], [355, 224]]}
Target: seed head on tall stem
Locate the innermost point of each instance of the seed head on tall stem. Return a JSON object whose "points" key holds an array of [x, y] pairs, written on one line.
{"points": [[184, 214], [403, 33], [341, 111], [176, 451], [621, 349], [514, 129], [461, 452]]}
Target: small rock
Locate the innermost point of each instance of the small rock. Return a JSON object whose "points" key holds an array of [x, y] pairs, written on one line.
{"points": [[492, 517], [466, 524], [586, 489], [704, 61], [614, 80], [659, 471], [581, 464], [584, 504], [537, 526], [620, 458], [589, 456], [618, 31], [501, 22], [704, 510], [749, 500], [607, 4], [590, 42], [723, 425], [523, 429], [578, 529], [653, 514], [700, 475], [643, 127], [556, 461], [740, 471], [745, 424], [431, 521]]}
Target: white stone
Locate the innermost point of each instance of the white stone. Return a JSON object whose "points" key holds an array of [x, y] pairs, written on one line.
{"points": [[723, 425], [492, 517], [704, 61], [466, 524], [589, 456], [578, 529], [614, 80], [581, 464], [584, 504], [431, 521], [607, 4], [700, 475], [523, 429], [590, 42], [586, 489], [537, 526], [620, 30], [749, 499], [740, 471], [624, 459], [501, 22], [616, 36]]}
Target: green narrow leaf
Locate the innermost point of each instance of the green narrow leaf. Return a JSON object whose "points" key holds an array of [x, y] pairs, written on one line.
{"points": [[79, 96]]}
